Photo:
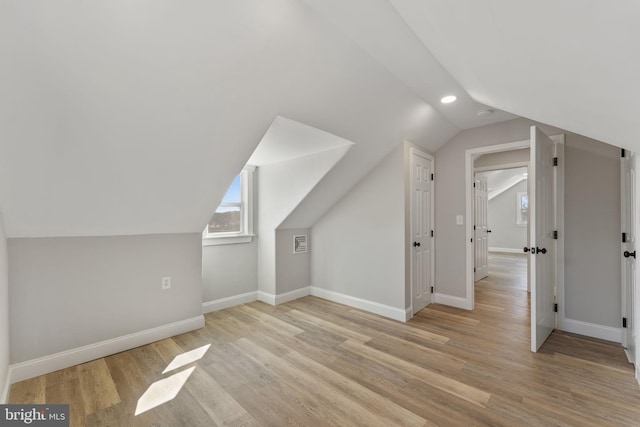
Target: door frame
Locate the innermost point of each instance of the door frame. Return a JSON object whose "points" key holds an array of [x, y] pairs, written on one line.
{"points": [[470, 155], [411, 149]]}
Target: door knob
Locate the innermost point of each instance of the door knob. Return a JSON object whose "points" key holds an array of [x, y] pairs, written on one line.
{"points": [[416, 244], [627, 254], [538, 250], [526, 249], [488, 231]]}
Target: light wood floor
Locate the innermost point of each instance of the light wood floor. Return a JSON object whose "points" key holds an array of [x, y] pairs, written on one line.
{"points": [[314, 363]]}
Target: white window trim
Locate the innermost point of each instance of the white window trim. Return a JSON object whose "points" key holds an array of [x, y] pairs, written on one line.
{"points": [[246, 233]]}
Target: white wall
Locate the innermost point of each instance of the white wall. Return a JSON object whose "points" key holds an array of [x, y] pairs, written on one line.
{"points": [[359, 245], [229, 270], [502, 158], [292, 270], [592, 264], [71, 292], [505, 233], [592, 230], [4, 317], [282, 186]]}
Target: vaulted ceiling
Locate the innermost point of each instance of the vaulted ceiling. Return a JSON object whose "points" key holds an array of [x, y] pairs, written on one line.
{"points": [[132, 117]]}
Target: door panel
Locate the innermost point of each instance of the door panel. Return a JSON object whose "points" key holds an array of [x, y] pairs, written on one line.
{"points": [[542, 225], [481, 228], [628, 182], [421, 226]]}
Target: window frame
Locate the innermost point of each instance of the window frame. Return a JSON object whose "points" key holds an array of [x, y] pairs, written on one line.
{"points": [[245, 235]]}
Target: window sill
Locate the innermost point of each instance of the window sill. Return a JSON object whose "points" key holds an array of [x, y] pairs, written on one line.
{"points": [[227, 240]]}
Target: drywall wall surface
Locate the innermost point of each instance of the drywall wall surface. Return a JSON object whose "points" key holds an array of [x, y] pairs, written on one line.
{"points": [[281, 187], [4, 316], [505, 232], [592, 232], [229, 270], [502, 158], [70, 292], [450, 196], [359, 245], [292, 269]]}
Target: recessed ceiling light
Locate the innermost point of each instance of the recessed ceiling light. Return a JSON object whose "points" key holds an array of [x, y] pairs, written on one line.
{"points": [[448, 99]]}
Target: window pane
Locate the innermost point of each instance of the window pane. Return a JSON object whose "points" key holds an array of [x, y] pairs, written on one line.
{"points": [[225, 220], [233, 193]]}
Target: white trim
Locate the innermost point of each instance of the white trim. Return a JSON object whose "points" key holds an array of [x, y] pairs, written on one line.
{"points": [[272, 299], [222, 303], [6, 387], [469, 174], [414, 150], [247, 182], [227, 240], [469, 156], [452, 301], [266, 298], [592, 330], [507, 250], [46, 364], [559, 200], [394, 313], [502, 166], [293, 295]]}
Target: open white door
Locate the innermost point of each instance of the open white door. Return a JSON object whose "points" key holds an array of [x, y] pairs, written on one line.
{"points": [[541, 228], [481, 227], [628, 222], [421, 165]]}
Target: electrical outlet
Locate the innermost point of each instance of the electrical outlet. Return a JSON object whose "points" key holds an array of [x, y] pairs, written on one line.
{"points": [[166, 282]]}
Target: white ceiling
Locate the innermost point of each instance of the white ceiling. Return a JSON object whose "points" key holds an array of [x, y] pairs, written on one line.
{"points": [[571, 64], [287, 139], [499, 181], [131, 117]]}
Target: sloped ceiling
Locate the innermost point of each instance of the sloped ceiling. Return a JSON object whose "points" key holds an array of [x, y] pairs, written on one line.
{"points": [[132, 117], [572, 64]]}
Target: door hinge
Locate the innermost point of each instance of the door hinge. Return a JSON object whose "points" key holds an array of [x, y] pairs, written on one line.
{"points": [[474, 185], [555, 235], [623, 153], [432, 289], [431, 233], [431, 177], [472, 240], [474, 227], [624, 322], [555, 307], [474, 269], [624, 237], [555, 161]]}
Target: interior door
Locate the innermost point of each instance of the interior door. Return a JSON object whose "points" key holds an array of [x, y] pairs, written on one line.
{"points": [[421, 229], [541, 228], [628, 221], [481, 268]]}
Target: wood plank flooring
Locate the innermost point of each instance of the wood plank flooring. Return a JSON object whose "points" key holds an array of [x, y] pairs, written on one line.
{"points": [[311, 362]]}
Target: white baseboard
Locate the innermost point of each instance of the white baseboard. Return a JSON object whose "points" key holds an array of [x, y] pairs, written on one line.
{"points": [[44, 365], [222, 303], [452, 301], [4, 391], [394, 313], [272, 299], [507, 250], [592, 330]]}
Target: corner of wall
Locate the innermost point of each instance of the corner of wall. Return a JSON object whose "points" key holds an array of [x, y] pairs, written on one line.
{"points": [[5, 369]]}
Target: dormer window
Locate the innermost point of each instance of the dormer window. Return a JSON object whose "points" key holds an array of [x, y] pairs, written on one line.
{"points": [[232, 222]]}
